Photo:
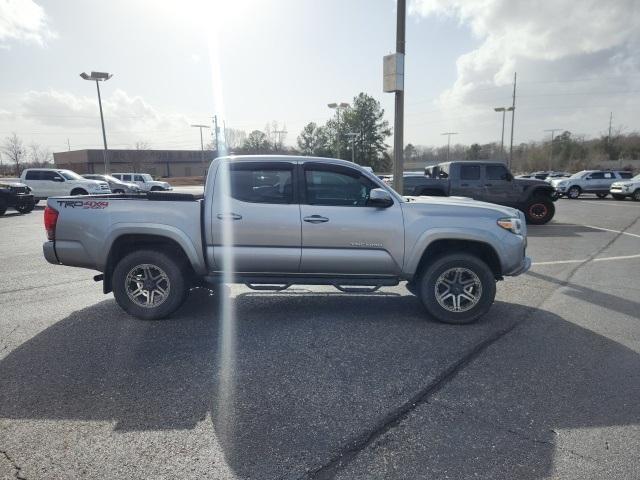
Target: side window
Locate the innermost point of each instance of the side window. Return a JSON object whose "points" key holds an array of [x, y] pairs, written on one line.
{"points": [[49, 175], [470, 172], [117, 176], [625, 174], [337, 188], [497, 172], [260, 185], [126, 178], [596, 176], [138, 178], [33, 175], [608, 175]]}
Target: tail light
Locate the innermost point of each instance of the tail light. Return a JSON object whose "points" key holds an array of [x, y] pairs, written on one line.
{"points": [[50, 220]]}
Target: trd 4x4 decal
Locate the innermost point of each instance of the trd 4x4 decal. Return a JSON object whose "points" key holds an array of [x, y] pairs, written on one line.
{"points": [[84, 204]]}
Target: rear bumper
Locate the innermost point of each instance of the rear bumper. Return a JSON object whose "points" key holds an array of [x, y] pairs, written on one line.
{"points": [[49, 251]]}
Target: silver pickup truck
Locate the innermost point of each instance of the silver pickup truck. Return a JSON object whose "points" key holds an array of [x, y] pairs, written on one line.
{"points": [[273, 221]]}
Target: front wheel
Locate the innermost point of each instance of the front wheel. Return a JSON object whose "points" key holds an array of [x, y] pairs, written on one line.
{"points": [[539, 211], [636, 195], [601, 195], [574, 192], [457, 288], [149, 284], [26, 208]]}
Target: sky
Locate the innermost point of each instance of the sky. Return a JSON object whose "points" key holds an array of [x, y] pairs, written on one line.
{"points": [[252, 62]]}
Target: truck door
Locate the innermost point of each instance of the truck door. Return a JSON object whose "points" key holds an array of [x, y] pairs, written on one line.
{"points": [[499, 187], [257, 203], [341, 234], [468, 182]]}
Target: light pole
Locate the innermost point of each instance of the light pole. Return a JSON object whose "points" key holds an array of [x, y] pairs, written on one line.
{"points": [[201, 146], [100, 77], [352, 136], [504, 110], [448, 134], [553, 131], [338, 107]]}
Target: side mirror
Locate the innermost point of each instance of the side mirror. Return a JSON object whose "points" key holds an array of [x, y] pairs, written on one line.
{"points": [[58, 179], [379, 197], [509, 176]]}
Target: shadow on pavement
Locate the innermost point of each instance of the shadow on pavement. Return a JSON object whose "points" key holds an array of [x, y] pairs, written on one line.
{"points": [[560, 230], [312, 371]]}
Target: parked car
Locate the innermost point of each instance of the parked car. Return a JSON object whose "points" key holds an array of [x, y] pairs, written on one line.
{"points": [[117, 186], [15, 195], [47, 182], [144, 181], [588, 181], [490, 182], [555, 175], [626, 188], [295, 220]]}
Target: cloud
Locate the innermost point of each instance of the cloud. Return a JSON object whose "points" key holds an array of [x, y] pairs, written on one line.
{"points": [[23, 20], [121, 111], [566, 53]]}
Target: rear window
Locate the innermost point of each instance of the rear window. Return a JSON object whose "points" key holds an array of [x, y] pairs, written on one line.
{"points": [[497, 172], [262, 185], [470, 172], [626, 174]]}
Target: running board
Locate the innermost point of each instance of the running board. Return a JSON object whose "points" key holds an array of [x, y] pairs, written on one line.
{"points": [[347, 284]]}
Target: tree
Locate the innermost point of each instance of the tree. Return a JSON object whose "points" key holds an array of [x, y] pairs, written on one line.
{"points": [[234, 138], [410, 152], [314, 141], [366, 119], [14, 149], [474, 152], [39, 156], [257, 142]]}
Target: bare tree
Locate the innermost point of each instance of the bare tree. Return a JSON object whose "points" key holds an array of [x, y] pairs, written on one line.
{"points": [[139, 158], [234, 138], [39, 156], [14, 149]]}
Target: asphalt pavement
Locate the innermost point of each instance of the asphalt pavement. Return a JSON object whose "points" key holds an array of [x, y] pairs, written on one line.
{"points": [[328, 385]]}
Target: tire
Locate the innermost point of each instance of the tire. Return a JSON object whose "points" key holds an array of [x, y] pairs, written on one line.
{"points": [[636, 195], [3, 206], [617, 197], [574, 192], [601, 195], [78, 191], [28, 208], [172, 279], [472, 269], [156, 189], [539, 211], [412, 288]]}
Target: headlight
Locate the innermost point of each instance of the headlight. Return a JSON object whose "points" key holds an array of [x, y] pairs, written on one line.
{"points": [[514, 225]]}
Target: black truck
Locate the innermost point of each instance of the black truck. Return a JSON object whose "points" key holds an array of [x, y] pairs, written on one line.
{"points": [[489, 182], [15, 195]]}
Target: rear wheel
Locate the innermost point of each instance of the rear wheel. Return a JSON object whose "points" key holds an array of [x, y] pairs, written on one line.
{"points": [[574, 192], [539, 211], [457, 288], [601, 195], [636, 195], [149, 284]]}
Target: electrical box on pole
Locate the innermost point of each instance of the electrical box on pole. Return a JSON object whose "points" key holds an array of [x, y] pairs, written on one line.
{"points": [[393, 72]]}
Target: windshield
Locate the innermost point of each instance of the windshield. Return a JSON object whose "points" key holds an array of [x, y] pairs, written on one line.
{"points": [[636, 178], [69, 175], [147, 177], [579, 174]]}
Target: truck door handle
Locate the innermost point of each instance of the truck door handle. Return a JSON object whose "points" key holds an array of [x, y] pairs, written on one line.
{"points": [[229, 216], [316, 219]]}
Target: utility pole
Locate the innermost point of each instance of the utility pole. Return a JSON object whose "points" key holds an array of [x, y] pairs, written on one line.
{"points": [[609, 137], [215, 131], [100, 77], [448, 134], [553, 131], [68, 145], [398, 123], [277, 134], [338, 107], [513, 115], [503, 110], [352, 136]]}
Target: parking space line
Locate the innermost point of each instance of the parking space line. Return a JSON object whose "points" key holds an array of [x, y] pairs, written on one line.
{"points": [[614, 231], [608, 204]]}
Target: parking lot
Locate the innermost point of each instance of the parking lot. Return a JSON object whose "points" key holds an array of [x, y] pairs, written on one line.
{"points": [[328, 385]]}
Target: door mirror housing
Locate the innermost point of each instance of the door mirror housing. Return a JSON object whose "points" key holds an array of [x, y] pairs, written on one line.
{"points": [[379, 197], [58, 179], [509, 176]]}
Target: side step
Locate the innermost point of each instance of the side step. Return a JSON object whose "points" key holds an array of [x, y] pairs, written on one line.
{"points": [[278, 283]]}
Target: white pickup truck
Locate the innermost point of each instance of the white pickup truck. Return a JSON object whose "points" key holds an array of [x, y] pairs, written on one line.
{"points": [[144, 181], [49, 182]]}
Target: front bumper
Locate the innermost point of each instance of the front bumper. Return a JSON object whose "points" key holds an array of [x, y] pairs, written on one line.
{"points": [[21, 200], [524, 266]]}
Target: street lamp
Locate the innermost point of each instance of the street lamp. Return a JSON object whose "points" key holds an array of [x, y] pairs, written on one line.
{"points": [[503, 110], [201, 145], [337, 107], [352, 136], [100, 77], [552, 131]]}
